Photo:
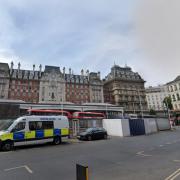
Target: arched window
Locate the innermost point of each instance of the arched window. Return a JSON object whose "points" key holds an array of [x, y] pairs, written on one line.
{"points": [[178, 97], [176, 107], [175, 87], [173, 97], [171, 88], [53, 96]]}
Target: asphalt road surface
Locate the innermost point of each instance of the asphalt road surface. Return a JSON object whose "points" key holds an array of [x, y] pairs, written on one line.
{"points": [[152, 157]]}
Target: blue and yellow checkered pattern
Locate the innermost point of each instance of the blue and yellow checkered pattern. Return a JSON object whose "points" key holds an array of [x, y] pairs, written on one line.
{"points": [[38, 134]]}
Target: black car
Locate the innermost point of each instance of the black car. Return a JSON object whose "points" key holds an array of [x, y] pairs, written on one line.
{"points": [[92, 134]]}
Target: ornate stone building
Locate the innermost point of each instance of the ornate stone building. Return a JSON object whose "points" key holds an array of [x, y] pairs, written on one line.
{"points": [[125, 88], [4, 80], [96, 87], [52, 86], [155, 97], [24, 84], [174, 92]]}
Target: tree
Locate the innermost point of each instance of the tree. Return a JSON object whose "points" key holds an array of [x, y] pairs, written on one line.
{"points": [[152, 112], [168, 103]]}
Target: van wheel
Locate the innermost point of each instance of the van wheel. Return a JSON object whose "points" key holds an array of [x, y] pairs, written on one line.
{"points": [[7, 146], [57, 140]]}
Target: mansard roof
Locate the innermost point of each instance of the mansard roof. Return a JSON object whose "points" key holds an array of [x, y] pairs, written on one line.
{"points": [[123, 73], [25, 74], [4, 70], [76, 78], [49, 69], [177, 79], [174, 81], [4, 66]]}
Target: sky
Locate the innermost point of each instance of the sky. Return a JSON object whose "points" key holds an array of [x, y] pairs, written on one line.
{"points": [[94, 35]]}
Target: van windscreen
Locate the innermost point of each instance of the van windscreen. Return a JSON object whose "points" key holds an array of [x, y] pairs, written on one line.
{"points": [[5, 124]]}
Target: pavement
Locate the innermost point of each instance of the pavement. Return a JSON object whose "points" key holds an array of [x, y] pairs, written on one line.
{"points": [[152, 157]]}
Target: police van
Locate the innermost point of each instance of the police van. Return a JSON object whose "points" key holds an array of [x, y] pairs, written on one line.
{"points": [[28, 130]]}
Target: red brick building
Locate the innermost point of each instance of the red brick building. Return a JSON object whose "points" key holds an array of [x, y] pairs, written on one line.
{"points": [[24, 84], [77, 88], [38, 87]]}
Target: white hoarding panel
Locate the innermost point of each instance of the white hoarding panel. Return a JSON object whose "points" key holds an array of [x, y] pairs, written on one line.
{"points": [[125, 127], [163, 124], [116, 127], [150, 126]]}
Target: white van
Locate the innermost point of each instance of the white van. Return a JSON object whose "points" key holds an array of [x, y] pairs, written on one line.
{"points": [[32, 130]]}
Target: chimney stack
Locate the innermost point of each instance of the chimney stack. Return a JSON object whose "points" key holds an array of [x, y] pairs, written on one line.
{"points": [[19, 66], [12, 65], [33, 67], [40, 68], [82, 72], [87, 73], [69, 70], [99, 75], [64, 70]]}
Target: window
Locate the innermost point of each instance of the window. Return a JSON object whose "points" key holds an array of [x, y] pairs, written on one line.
{"points": [[40, 125], [175, 87], [173, 97], [178, 97], [35, 125], [20, 126], [48, 125]]}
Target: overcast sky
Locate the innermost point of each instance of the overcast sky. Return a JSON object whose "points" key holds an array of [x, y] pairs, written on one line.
{"points": [[144, 34]]}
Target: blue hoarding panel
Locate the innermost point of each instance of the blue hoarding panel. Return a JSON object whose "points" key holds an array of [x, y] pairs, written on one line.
{"points": [[136, 127]]}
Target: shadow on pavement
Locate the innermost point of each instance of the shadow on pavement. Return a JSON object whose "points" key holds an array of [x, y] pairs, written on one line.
{"points": [[34, 146]]}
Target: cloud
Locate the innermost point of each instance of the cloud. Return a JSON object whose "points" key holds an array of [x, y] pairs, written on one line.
{"points": [[62, 31], [93, 35], [157, 25]]}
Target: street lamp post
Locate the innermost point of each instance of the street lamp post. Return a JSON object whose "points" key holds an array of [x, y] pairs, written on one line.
{"points": [[62, 101], [106, 111], [134, 108], [140, 105], [169, 116]]}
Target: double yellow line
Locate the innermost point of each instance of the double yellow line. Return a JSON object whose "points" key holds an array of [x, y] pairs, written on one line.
{"points": [[174, 175]]}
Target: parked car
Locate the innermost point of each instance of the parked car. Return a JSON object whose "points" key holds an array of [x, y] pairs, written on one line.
{"points": [[93, 134]]}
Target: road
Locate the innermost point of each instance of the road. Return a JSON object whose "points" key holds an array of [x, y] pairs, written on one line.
{"points": [[150, 157]]}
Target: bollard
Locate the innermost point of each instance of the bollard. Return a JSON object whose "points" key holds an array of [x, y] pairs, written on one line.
{"points": [[81, 172]]}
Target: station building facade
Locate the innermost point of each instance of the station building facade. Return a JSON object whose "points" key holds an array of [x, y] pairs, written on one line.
{"points": [[155, 97], [52, 85], [125, 88]]}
